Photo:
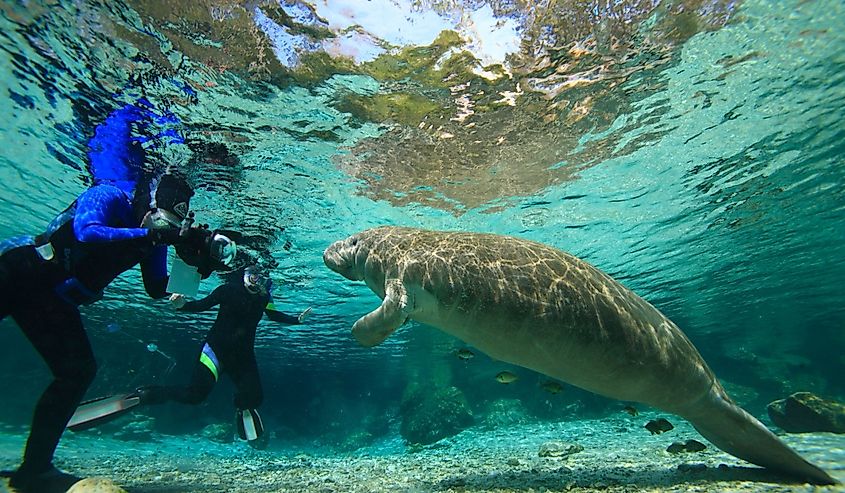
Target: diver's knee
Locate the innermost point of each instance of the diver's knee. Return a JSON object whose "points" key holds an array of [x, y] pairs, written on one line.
{"points": [[77, 373], [195, 396], [87, 371], [194, 399]]}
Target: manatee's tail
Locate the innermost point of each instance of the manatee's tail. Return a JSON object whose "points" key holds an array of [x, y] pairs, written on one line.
{"points": [[740, 434]]}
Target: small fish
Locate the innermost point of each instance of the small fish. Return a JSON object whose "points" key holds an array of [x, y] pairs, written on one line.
{"points": [[688, 446], [465, 354], [694, 446], [658, 426], [631, 410], [552, 387], [676, 448], [506, 377]]}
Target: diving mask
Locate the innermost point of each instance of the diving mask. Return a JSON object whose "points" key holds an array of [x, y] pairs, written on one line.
{"points": [[222, 249], [254, 280]]}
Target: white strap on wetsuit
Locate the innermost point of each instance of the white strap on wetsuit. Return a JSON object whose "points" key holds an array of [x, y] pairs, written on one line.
{"points": [[46, 251]]}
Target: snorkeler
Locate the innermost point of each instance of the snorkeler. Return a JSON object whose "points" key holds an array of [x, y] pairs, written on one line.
{"points": [[125, 219], [229, 348]]}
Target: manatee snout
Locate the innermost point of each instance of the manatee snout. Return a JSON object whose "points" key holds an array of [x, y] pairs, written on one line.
{"points": [[340, 257], [333, 259]]}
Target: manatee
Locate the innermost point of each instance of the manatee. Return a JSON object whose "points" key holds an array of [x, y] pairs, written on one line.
{"points": [[535, 306]]}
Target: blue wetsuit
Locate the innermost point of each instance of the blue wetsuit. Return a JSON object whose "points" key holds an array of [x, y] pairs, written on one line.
{"points": [[110, 241], [43, 279]]}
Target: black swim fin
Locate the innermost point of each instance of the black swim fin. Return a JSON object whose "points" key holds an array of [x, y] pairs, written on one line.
{"points": [[102, 410], [51, 480]]}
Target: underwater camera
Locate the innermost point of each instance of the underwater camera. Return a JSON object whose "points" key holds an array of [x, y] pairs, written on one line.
{"points": [[204, 249]]}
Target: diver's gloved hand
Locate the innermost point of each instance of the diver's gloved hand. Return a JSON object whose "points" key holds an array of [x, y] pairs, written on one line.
{"points": [[165, 236], [195, 238], [304, 314], [177, 300]]}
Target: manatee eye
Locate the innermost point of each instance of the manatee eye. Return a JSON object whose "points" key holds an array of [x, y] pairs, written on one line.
{"points": [[353, 242]]}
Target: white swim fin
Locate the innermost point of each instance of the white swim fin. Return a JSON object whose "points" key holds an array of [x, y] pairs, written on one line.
{"points": [[98, 411], [249, 424]]}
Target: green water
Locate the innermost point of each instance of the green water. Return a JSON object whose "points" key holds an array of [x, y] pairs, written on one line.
{"points": [[692, 150]]}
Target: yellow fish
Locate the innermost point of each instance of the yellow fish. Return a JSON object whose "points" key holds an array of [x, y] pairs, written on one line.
{"points": [[506, 377]]}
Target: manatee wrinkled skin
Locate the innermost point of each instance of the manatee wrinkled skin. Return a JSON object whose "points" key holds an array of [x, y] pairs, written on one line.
{"points": [[535, 306]]}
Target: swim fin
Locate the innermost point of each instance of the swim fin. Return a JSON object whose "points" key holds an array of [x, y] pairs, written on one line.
{"points": [[249, 424], [102, 410], [50, 480]]}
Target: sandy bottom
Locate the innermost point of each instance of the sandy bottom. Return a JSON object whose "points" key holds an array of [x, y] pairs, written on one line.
{"points": [[618, 455]]}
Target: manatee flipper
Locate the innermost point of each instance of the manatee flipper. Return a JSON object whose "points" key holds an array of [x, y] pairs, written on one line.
{"points": [[374, 327], [740, 434]]}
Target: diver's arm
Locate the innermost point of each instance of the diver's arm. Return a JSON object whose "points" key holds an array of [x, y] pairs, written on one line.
{"points": [[281, 317], [206, 303], [96, 208], [154, 272]]}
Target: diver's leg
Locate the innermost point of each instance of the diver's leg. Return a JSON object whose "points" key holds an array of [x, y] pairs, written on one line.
{"points": [[12, 262], [249, 393], [248, 396], [201, 384], [203, 378], [55, 329], [6, 286]]}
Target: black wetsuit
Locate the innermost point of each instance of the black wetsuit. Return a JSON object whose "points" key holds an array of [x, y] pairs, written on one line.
{"points": [[43, 279], [229, 347], [87, 247]]}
